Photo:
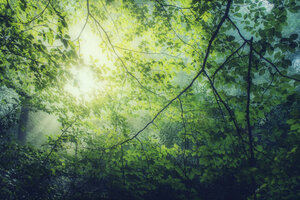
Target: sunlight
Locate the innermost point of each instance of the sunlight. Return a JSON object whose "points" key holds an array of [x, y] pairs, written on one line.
{"points": [[269, 6], [83, 84], [89, 43], [296, 65]]}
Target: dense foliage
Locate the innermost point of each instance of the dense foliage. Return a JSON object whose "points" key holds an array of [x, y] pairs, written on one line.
{"points": [[192, 99]]}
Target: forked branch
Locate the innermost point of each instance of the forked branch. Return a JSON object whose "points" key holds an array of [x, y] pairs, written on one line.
{"points": [[260, 55], [214, 35]]}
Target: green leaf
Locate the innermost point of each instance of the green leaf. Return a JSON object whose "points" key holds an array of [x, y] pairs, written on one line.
{"points": [[65, 42], [238, 15], [294, 36]]}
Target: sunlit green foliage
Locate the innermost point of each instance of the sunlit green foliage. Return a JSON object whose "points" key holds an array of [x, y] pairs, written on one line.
{"points": [[192, 99]]}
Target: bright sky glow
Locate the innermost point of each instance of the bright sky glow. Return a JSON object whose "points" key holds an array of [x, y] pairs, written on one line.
{"points": [[89, 42], [83, 84], [267, 5], [296, 65]]}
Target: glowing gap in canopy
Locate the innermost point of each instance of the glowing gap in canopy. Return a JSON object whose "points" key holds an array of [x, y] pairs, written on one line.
{"points": [[83, 83]]}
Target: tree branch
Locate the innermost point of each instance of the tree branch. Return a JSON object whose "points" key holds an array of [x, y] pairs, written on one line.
{"points": [[258, 53], [185, 139], [184, 42], [191, 83], [144, 52], [225, 62], [82, 29], [59, 138], [38, 15], [114, 50], [177, 7], [230, 112]]}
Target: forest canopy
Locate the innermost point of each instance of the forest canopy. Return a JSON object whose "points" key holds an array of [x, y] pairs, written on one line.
{"points": [[158, 99]]}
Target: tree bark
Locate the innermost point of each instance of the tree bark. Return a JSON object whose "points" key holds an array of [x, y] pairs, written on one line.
{"points": [[22, 132]]}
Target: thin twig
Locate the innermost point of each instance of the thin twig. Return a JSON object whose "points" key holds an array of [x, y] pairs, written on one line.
{"points": [[185, 139], [114, 50], [178, 7], [58, 139], [225, 62], [230, 112], [144, 152], [144, 52], [38, 15], [176, 34], [10, 111]]}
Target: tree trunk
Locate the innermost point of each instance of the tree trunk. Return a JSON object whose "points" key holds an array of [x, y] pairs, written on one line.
{"points": [[22, 133]]}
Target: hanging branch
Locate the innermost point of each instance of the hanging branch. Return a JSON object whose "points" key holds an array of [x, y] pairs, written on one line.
{"points": [[230, 112], [185, 139], [176, 34], [82, 29], [177, 7], [249, 82], [191, 83], [58, 139], [38, 15], [80, 33], [115, 52], [113, 21], [219, 106], [268, 87], [218, 69], [144, 152], [186, 180]]}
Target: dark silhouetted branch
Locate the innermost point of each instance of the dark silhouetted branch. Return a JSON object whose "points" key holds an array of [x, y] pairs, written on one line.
{"points": [[261, 56], [250, 137], [191, 83], [230, 112], [225, 62]]}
